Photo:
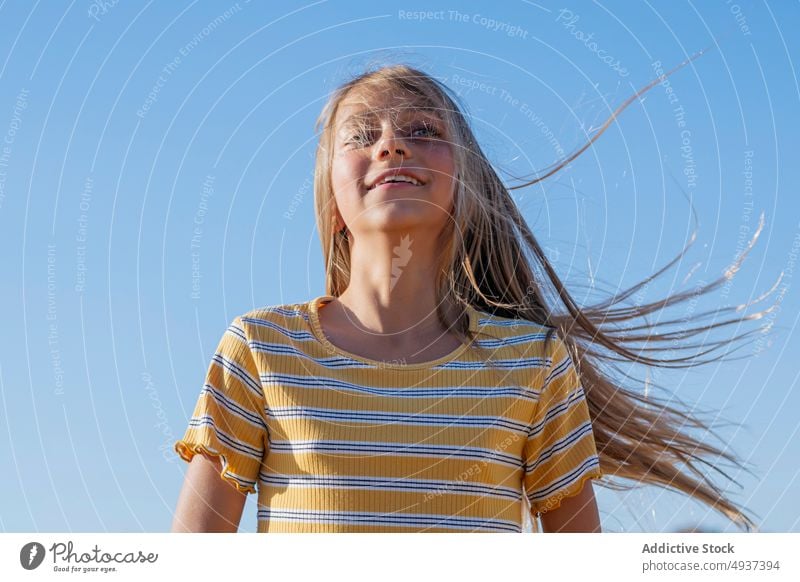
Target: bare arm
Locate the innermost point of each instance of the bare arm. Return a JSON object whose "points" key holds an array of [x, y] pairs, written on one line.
{"points": [[207, 503], [575, 514]]}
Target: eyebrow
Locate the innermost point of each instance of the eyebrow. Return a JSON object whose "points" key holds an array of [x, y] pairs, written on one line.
{"points": [[371, 115]]}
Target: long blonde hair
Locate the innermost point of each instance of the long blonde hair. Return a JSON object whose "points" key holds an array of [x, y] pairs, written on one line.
{"points": [[639, 437]]}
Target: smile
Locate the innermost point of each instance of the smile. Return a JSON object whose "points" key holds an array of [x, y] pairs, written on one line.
{"points": [[391, 179], [392, 185]]}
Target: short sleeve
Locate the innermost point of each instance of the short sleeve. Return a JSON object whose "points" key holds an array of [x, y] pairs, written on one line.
{"points": [[229, 417], [560, 453]]}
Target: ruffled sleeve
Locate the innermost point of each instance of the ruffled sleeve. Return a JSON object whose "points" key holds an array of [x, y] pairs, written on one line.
{"points": [[229, 417], [560, 453]]}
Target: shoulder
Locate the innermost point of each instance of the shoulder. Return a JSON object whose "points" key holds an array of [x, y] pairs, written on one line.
{"points": [[273, 321], [496, 331]]}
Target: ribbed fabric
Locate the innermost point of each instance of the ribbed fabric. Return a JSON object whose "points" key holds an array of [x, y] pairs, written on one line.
{"points": [[334, 442]]}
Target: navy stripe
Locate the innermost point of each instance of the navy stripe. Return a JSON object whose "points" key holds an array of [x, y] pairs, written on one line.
{"points": [[561, 444], [286, 312], [302, 335], [236, 370], [346, 362], [328, 362], [518, 363], [381, 483], [497, 321], [246, 483], [574, 397], [565, 480], [252, 316], [509, 341], [326, 383], [399, 519], [233, 407], [391, 417], [408, 449], [561, 369], [224, 438]]}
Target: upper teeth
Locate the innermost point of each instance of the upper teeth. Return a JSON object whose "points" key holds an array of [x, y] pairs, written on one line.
{"points": [[399, 178]]}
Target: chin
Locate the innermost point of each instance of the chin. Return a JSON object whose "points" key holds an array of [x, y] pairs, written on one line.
{"points": [[404, 223]]}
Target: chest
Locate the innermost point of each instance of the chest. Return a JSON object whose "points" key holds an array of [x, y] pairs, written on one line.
{"points": [[414, 349], [449, 409]]}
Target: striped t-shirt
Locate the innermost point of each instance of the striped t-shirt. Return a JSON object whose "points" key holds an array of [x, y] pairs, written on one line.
{"points": [[335, 442]]}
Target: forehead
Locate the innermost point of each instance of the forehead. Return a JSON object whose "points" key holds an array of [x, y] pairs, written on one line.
{"points": [[359, 105]]}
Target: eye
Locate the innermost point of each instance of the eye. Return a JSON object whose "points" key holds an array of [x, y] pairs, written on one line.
{"points": [[359, 138], [427, 129]]}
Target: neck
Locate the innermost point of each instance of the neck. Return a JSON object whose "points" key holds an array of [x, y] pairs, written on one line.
{"points": [[391, 288]]}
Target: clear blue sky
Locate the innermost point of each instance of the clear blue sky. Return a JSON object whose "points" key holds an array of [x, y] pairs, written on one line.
{"points": [[127, 126]]}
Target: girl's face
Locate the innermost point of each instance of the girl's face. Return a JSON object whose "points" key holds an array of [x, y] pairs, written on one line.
{"points": [[383, 137]]}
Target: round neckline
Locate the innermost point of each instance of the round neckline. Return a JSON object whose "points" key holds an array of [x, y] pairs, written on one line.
{"points": [[319, 333]]}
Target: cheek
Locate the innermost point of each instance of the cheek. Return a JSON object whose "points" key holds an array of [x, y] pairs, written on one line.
{"points": [[338, 177], [346, 172], [442, 159], [445, 168], [345, 185]]}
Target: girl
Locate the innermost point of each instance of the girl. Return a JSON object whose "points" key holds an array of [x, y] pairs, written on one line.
{"points": [[433, 387]]}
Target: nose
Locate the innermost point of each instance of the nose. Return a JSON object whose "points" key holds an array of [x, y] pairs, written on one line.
{"points": [[391, 145]]}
